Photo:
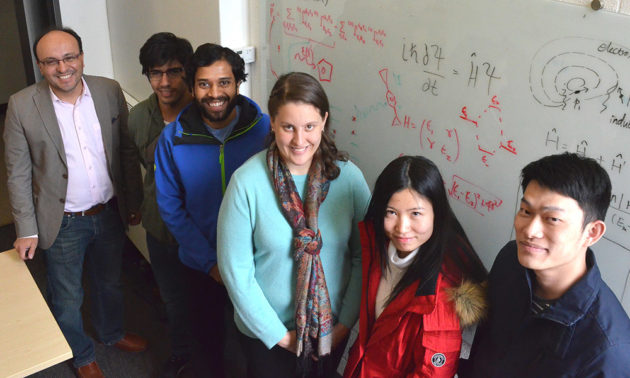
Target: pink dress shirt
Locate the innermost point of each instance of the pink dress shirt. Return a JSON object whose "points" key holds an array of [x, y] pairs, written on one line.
{"points": [[89, 182]]}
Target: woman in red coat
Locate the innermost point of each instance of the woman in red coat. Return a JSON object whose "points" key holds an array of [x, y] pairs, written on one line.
{"points": [[421, 278]]}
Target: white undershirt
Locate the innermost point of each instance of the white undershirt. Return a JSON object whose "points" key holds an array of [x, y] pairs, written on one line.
{"points": [[390, 278]]}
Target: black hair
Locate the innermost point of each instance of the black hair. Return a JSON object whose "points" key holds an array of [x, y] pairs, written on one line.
{"points": [[448, 239], [162, 48], [575, 176], [299, 87], [56, 28], [209, 53]]}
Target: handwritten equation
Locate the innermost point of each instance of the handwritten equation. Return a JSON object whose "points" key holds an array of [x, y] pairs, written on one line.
{"points": [[476, 198], [619, 218], [621, 202], [447, 139], [314, 26], [319, 29], [430, 56], [614, 162]]}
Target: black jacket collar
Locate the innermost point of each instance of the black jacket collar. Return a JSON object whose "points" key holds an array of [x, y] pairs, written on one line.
{"points": [[194, 130]]}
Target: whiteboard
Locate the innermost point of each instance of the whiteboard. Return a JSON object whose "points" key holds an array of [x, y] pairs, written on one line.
{"points": [[480, 87]]}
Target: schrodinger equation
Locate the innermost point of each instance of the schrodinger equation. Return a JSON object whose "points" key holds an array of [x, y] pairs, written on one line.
{"points": [[430, 56]]}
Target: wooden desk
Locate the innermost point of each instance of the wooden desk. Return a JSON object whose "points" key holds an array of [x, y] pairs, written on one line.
{"points": [[30, 339]]}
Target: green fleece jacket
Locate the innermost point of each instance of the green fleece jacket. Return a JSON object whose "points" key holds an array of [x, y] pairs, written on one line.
{"points": [[145, 126]]}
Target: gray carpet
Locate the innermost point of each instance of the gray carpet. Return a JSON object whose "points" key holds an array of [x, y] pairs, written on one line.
{"points": [[144, 315]]}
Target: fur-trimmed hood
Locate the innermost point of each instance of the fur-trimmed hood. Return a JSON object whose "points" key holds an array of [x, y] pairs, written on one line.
{"points": [[471, 302]]}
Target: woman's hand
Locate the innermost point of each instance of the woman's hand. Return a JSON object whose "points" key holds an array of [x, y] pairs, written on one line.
{"points": [[339, 333], [289, 341]]}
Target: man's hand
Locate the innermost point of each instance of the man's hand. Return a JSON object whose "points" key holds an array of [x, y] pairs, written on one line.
{"points": [[26, 247], [134, 218], [215, 274], [289, 341]]}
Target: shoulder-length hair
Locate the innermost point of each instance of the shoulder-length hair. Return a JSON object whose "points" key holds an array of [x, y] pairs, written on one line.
{"points": [[302, 88], [448, 239]]}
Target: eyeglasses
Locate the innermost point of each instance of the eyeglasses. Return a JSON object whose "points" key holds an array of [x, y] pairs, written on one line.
{"points": [[171, 73], [52, 62]]}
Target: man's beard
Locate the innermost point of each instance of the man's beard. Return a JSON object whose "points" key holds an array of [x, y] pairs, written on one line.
{"points": [[214, 116]]}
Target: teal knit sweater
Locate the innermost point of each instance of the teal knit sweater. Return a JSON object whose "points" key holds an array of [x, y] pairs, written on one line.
{"points": [[255, 256]]}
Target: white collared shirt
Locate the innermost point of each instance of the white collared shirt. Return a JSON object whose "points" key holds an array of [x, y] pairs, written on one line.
{"points": [[88, 179]]}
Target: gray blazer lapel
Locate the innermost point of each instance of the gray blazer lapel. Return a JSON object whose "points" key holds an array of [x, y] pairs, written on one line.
{"points": [[101, 104], [44, 105]]}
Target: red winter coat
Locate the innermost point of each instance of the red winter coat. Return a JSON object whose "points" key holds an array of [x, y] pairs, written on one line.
{"points": [[416, 335]]}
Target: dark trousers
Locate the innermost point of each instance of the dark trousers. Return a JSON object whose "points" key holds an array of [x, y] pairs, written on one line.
{"points": [[171, 277], [208, 302], [278, 362], [98, 240]]}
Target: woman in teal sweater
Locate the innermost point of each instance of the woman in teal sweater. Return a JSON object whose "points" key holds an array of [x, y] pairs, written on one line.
{"points": [[288, 243]]}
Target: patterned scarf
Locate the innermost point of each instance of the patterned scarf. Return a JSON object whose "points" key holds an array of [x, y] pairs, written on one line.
{"points": [[313, 315]]}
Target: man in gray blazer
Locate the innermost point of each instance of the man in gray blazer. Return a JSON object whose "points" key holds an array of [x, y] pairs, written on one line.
{"points": [[74, 182]]}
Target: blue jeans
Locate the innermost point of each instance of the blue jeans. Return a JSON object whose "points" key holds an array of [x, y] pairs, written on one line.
{"points": [[172, 279], [98, 240]]}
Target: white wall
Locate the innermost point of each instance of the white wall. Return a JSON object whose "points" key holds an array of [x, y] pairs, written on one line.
{"points": [[113, 32], [89, 19], [235, 32], [131, 23], [259, 71]]}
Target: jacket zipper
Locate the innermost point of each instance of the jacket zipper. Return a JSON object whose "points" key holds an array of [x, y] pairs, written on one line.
{"points": [[222, 149], [222, 156], [222, 162]]}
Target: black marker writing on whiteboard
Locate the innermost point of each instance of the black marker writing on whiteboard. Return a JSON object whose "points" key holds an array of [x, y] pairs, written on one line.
{"points": [[615, 162], [487, 69]]}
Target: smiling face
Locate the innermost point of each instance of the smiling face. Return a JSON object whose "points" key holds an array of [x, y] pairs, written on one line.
{"points": [[298, 129], [215, 91], [408, 221], [170, 88], [64, 78], [549, 232]]}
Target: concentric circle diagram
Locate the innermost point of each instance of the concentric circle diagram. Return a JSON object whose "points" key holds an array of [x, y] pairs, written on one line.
{"points": [[566, 74]]}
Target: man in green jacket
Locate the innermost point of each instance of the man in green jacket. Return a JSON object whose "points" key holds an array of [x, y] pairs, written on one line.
{"points": [[163, 58]]}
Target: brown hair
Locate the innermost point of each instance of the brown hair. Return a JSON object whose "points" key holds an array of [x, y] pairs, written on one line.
{"points": [[299, 87]]}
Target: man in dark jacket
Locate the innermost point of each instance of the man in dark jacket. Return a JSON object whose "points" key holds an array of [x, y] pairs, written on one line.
{"points": [[163, 58], [551, 314], [195, 158]]}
